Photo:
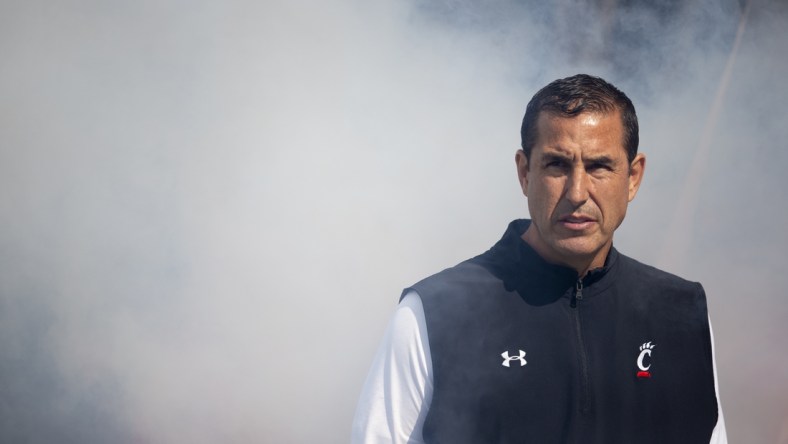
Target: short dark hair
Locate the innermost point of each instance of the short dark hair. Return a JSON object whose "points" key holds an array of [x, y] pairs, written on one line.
{"points": [[575, 95]]}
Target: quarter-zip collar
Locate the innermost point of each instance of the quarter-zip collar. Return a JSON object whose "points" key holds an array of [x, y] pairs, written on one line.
{"points": [[537, 281]]}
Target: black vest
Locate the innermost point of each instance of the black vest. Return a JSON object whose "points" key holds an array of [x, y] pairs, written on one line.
{"points": [[524, 352]]}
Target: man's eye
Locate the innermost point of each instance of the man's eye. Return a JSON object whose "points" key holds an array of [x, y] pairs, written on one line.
{"points": [[598, 167]]}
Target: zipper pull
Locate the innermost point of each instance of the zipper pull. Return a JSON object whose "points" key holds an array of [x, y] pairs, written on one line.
{"points": [[578, 294]]}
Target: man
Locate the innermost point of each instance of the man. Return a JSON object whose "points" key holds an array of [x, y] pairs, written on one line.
{"points": [[552, 336]]}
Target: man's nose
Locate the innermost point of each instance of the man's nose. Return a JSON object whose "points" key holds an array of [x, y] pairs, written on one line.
{"points": [[577, 187]]}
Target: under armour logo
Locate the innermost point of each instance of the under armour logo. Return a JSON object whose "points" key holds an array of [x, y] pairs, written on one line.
{"points": [[507, 359]]}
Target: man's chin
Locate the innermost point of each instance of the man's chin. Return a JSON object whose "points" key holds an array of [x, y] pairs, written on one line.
{"points": [[578, 247]]}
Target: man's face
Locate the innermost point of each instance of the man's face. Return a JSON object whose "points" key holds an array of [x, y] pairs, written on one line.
{"points": [[578, 183]]}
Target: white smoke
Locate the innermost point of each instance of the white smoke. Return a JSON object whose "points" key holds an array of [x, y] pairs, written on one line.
{"points": [[207, 210]]}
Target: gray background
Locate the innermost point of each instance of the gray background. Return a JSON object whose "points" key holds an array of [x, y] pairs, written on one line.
{"points": [[208, 209]]}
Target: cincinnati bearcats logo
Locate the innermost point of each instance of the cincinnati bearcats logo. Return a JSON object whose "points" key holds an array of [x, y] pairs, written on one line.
{"points": [[645, 350], [508, 359]]}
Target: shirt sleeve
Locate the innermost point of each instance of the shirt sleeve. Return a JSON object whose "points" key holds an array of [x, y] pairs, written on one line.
{"points": [[398, 389], [719, 435]]}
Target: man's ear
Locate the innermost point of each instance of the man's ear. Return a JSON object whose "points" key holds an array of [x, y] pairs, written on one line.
{"points": [[636, 170], [522, 170]]}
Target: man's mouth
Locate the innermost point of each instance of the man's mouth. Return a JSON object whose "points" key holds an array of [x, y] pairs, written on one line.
{"points": [[576, 222]]}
